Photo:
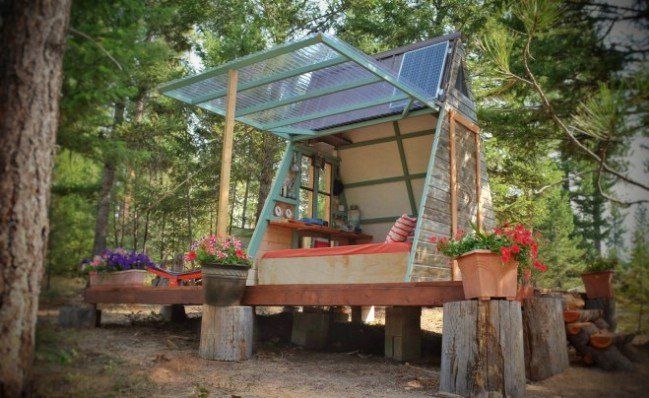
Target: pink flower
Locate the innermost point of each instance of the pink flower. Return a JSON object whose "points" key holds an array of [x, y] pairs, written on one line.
{"points": [[433, 239], [240, 253], [459, 234], [220, 254]]}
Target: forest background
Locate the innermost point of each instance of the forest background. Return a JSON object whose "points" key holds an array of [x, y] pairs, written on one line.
{"points": [[563, 107]]}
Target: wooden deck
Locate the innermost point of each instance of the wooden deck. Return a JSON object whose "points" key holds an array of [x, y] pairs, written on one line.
{"points": [[419, 294]]}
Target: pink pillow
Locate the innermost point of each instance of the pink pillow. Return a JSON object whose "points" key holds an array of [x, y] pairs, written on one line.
{"points": [[401, 229]]}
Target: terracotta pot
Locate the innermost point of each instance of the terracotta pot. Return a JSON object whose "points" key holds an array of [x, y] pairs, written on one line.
{"points": [[598, 284], [485, 277], [131, 277], [224, 285]]}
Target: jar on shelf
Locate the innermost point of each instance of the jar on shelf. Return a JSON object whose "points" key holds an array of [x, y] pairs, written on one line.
{"points": [[354, 217]]}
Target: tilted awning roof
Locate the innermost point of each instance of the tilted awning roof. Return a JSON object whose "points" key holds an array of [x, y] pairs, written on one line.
{"points": [[306, 88]]}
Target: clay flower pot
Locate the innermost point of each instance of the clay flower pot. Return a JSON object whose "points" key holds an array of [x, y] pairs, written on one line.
{"points": [[131, 277], [485, 277], [224, 285], [598, 284]]}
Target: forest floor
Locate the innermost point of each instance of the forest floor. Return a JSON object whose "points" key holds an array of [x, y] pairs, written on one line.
{"points": [[136, 354]]}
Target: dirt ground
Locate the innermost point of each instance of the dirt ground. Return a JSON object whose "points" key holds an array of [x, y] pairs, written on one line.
{"points": [[136, 354]]}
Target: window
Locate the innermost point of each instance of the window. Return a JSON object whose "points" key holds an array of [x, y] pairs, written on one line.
{"points": [[315, 188]]}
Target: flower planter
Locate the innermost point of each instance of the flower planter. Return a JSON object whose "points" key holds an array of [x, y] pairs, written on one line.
{"points": [[598, 284], [131, 277], [224, 285], [485, 277]]}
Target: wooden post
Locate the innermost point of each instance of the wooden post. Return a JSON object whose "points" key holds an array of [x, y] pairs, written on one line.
{"points": [[482, 349], [226, 333], [546, 352], [478, 182], [455, 271], [226, 154]]}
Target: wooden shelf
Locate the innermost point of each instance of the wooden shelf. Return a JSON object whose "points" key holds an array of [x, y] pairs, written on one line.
{"points": [[289, 201], [320, 229]]}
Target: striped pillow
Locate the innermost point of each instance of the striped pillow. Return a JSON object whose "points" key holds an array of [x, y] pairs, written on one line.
{"points": [[401, 229]]}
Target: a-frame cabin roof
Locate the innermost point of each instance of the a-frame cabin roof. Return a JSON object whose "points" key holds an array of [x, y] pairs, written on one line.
{"points": [[312, 87]]}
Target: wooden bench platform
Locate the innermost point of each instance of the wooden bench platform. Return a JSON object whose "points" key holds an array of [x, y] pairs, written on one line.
{"points": [[418, 294]]}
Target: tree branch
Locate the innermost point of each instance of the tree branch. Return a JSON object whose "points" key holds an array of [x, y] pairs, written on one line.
{"points": [[95, 42]]}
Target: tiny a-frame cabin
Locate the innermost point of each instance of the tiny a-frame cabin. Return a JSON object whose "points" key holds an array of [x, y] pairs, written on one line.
{"points": [[393, 133]]}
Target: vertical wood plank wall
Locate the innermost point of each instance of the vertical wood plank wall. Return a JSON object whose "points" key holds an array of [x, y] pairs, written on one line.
{"points": [[430, 265]]}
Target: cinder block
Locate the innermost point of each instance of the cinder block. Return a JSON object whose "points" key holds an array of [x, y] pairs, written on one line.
{"points": [[310, 329], [79, 317], [174, 313], [403, 333]]}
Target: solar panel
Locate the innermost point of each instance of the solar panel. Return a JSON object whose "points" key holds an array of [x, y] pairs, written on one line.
{"points": [[424, 67]]}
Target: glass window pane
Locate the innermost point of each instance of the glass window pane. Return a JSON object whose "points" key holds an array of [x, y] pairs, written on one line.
{"points": [[324, 204], [324, 185], [307, 172], [306, 203]]}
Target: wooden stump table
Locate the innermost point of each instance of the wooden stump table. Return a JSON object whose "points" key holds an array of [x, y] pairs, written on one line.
{"points": [[482, 349]]}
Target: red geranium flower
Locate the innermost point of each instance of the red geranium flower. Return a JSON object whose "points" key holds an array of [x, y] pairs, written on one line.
{"points": [[191, 256]]}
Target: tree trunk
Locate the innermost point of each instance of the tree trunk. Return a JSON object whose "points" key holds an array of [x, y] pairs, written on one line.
{"points": [[105, 194], [32, 38], [146, 230], [245, 203], [268, 153]]}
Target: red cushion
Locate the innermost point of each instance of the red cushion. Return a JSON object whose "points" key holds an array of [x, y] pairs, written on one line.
{"points": [[401, 229], [347, 250]]}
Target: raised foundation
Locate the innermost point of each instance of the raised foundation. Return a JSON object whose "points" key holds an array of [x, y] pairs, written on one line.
{"points": [[310, 329], [174, 313], [226, 333], [403, 333], [362, 314], [482, 349], [79, 317]]}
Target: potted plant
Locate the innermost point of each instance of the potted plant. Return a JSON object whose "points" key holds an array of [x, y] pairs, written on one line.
{"points": [[598, 278], [225, 266], [490, 261], [117, 268]]}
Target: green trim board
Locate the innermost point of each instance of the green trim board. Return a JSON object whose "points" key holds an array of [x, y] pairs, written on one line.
{"points": [[404, 165], [383, 140], [380, 220], [384, 180], [365, 123], [267, 210], [424, 194]]}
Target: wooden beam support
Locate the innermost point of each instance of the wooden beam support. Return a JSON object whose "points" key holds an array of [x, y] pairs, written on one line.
{"points": [[226, 155], [404, 166], [478, 183], [455, 272], [427, 294]]}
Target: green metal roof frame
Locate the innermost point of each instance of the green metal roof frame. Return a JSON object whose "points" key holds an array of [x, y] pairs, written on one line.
{"points": [[282, 128]]}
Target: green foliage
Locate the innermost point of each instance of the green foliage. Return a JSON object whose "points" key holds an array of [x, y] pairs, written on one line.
{"points": [[602, 264]]}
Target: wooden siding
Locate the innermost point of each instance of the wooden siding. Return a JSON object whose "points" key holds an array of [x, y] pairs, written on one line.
{"points": [[428, 264]]}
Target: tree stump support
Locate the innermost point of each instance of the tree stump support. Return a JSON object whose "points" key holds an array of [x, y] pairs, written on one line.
{"points": [[544, 337], [174, 313], [403, 333], [482, 349], [226, 333]]}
